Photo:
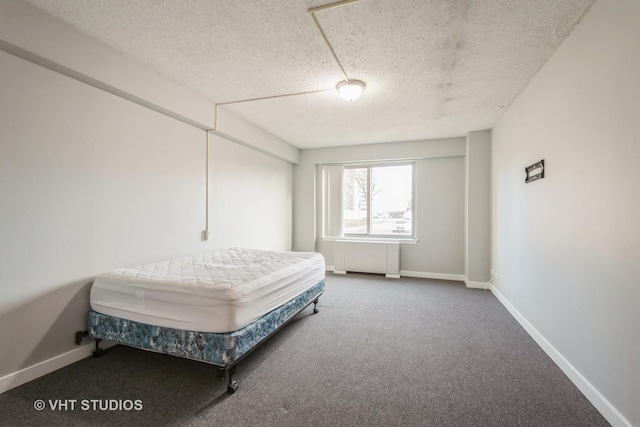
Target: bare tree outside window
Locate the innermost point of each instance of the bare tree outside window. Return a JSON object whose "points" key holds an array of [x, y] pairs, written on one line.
{"points": [[355, 185]]}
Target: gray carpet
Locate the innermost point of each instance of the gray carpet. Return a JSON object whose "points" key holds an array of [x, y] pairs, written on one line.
{"points": [[381, 352]]}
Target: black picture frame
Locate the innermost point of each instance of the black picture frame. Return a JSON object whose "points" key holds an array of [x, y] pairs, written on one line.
{"points": [[534, 172]]}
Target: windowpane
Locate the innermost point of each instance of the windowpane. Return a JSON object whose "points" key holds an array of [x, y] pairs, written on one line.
{"points": [[354, 200], [377, 200], [391, 190]]}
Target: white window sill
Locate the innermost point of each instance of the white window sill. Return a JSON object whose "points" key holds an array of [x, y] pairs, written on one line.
{"points": [[408, 241]]}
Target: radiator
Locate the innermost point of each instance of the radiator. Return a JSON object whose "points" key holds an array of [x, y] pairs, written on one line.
{"points": [[367, 257]]}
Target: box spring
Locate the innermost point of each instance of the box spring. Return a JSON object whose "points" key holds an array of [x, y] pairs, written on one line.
{"points": [[222, 349]]}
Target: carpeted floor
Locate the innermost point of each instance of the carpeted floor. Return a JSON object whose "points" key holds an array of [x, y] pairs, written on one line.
{"points": [[381, 352]]}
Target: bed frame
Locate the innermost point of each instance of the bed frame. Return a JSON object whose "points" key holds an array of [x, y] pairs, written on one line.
{"points": [[224, 350]]}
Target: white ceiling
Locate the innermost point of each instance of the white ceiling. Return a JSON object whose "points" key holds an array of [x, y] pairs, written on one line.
{"points": [[433, 68]]}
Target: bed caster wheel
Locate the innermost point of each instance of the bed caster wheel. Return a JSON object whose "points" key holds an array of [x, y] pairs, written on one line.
{"points": [[232, 387]]}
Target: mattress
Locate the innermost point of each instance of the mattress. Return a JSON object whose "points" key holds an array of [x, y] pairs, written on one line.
{"points": [[218, 292]]}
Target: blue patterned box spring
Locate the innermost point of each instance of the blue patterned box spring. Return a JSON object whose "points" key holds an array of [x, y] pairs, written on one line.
{"points": [[220, 349]]}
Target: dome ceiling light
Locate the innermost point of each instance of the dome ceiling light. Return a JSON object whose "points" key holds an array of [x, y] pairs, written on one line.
{"points": [[350, 90]]}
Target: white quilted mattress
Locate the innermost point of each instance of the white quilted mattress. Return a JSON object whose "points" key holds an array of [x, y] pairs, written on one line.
{"points": [[216, 292]]}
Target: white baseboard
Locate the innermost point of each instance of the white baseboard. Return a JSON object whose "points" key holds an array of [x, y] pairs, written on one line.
{"points": [[591, 393], [407, 273], [427, 275], [476, 285], [45, 367], [332, 269]]}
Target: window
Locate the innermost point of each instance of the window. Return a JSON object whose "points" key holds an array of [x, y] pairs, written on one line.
{"points": [[372, 200]]}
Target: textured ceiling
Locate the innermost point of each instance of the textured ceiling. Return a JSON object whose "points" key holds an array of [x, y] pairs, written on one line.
{"points": [[433, 68]]}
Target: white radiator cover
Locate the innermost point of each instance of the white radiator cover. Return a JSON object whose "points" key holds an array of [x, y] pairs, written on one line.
{"points": [[367, 257]]}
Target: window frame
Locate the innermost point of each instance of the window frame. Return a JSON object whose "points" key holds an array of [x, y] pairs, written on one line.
{"points": [[369, 235]]}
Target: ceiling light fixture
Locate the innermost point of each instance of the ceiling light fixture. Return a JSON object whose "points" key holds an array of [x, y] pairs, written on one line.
{"points": [[351, 89]]}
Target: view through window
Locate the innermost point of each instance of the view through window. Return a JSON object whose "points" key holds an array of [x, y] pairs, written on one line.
{"points": [[377, 200]]}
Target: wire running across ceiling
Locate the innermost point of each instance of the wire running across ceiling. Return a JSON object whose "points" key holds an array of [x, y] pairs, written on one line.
{"points": [[349, 89]]}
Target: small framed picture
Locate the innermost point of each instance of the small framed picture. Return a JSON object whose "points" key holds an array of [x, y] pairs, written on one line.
{"points": [[534, 172]]}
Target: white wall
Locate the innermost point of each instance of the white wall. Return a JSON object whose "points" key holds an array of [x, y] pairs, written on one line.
{"points": [[91, 181], [440, 216], [478, 209], [250, 198], [440, 201], [567, 248]]}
